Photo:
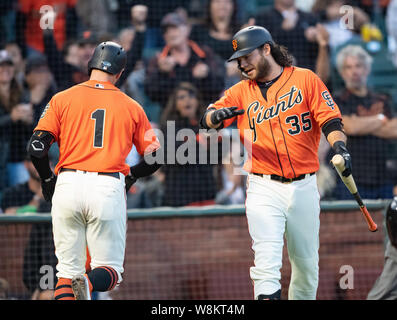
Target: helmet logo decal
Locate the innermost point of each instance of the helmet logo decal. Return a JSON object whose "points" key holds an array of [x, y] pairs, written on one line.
{"points": [[106, 65], [234, 43]]}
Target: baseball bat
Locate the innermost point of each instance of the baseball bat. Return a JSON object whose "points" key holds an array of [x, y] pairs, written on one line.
{"points": [[339, 164]]}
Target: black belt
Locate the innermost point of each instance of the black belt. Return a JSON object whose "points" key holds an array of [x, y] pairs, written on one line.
{"points": [[283, 179], [110, 174]]}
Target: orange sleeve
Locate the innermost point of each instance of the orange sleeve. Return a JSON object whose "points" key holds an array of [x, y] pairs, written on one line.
{"points": [[49, 120], [320, 101], [229, 99], [145, 139]]}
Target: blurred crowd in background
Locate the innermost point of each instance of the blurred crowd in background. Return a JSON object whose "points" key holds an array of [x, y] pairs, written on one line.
{"points": [[177, 64]]}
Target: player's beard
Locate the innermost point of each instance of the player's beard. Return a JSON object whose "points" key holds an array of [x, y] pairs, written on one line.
{"points": [[262, 69]]}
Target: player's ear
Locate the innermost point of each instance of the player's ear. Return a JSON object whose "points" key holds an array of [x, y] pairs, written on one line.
{"points": [[266, 49]]}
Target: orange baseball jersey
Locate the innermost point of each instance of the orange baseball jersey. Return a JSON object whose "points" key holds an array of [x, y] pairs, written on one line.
{"points": [[282, 134], [95, 125]]}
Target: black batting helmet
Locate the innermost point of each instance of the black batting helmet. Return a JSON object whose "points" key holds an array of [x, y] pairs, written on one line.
{"points": [[391, 221], [109, 57], [248, 39]]}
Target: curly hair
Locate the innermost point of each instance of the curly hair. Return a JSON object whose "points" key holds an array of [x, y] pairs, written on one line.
{"points": [[281, 55]]}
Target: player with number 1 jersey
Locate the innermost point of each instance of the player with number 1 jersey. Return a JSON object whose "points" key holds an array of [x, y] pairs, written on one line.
{"points": [[95, 126]]}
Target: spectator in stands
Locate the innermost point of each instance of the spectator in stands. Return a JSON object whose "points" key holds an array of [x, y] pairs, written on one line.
{"points": [[233, 179], [24, 196], [7, 21], [157, 10], [300, 32], [391, 26], [190, 183], [15, 53], [368, 122], [217, 32], [15, 121], [66, 65], [183, 60], [29, 27], [27, 197], [330, 14], [40, 86], [133, 43], [218, 28], [97, 15], [341, 29], [87, 44], [19, 132]]}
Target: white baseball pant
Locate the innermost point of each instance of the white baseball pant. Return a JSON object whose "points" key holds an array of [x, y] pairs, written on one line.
{"points": [[274, 209], [89, 209]]}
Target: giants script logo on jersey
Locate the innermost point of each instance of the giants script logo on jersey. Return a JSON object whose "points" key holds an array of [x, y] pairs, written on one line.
{"points": [[257, 113]]}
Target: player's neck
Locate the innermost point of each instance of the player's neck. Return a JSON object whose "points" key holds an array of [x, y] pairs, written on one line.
{"points": [[275, 72], [98, 75]]}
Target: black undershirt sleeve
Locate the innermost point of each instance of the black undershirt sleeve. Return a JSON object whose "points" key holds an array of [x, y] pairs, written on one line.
{"points": [[38, 147], [42, 166], [143, 169]]}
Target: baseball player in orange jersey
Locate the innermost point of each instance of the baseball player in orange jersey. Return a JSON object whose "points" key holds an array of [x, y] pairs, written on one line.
{"points": [[284, 109], [95, 125]]}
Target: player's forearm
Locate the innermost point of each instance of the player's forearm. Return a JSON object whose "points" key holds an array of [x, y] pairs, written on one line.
{"points": [[335, 136], [42, 166]]}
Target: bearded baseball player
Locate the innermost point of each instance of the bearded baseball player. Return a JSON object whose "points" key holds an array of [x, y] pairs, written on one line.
{"points": [[284, 109], [95, 126]]}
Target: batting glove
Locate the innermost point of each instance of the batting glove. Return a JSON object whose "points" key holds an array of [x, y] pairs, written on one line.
{"points": [[340, 148], [129, 181], [225, 113], [48, 187]]}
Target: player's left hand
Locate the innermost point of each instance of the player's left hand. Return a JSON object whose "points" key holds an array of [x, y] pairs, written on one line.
{"points": [[48, 187], [129, 181]]}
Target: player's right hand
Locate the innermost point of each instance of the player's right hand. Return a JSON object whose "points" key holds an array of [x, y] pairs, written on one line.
{"points": [[48, 187], [129, 181], [225, 113], [340, 148]]}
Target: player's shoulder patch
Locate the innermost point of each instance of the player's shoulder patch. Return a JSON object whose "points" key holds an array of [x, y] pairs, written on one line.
{"points": [[328, 99], [45, 110]]}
